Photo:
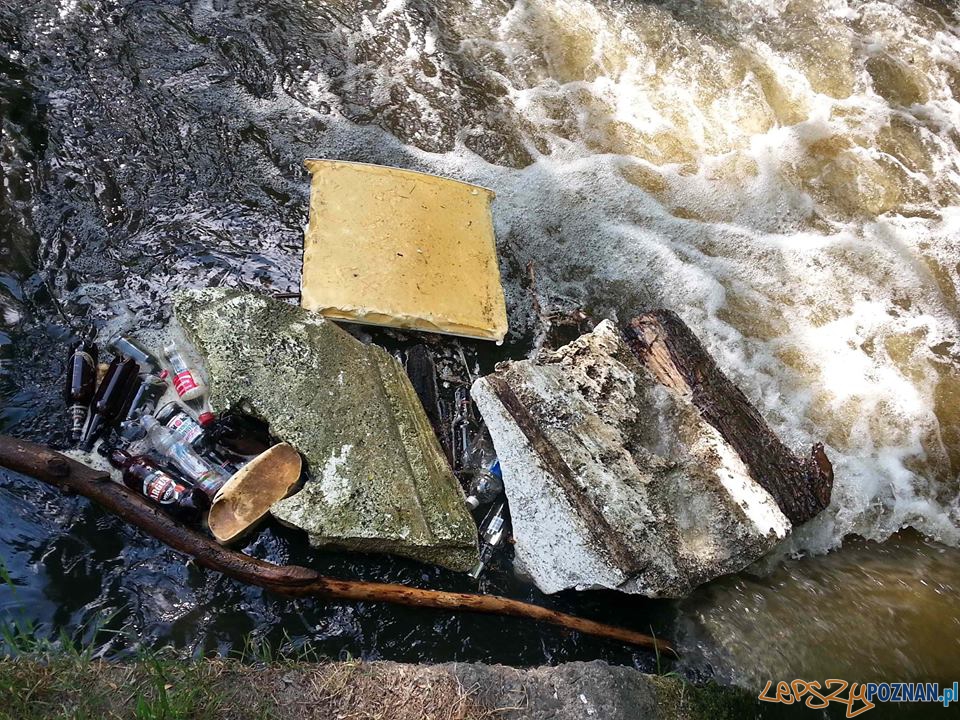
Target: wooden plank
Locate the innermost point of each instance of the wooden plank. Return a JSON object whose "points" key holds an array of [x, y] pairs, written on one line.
{"points": [[801, 486]]}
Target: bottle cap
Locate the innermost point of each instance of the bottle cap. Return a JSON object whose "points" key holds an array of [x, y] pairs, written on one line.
{"points": [[206, 418]]}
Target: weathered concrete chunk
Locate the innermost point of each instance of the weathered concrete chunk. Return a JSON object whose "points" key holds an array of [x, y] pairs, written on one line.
{"points": [[615, 481], [379, 480]]}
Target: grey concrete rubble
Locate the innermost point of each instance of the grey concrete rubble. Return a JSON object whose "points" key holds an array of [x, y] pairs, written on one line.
{"points": [[379, 481], [615, 481]]}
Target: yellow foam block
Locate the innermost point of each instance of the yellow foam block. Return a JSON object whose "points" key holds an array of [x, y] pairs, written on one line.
{"points": [[402, 248]]}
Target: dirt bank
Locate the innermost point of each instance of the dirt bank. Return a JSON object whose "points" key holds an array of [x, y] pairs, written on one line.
{"points": [[172, 689]]}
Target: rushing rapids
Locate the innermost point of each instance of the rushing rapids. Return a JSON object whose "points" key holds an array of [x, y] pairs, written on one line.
{"points": [[785, 175]]}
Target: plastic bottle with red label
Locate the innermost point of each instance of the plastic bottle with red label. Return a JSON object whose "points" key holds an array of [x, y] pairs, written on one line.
{"points": [[207, 477], [175, 418], [186, 381]]}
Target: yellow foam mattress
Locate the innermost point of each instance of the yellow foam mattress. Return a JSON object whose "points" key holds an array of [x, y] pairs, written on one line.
{"points": [[403, 249]]}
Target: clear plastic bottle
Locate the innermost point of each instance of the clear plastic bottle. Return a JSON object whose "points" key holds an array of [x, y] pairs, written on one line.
{"points": [[206, 476], [178, 420], [492, 534], [205, 414], [485, 487], [186, 381], [130, 348]]}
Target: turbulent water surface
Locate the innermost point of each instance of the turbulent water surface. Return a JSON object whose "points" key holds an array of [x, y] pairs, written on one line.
{"points": [[785, 175]]}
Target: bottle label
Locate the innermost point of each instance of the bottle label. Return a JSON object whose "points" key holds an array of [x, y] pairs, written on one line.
{"points": [[78, 415], [184, 382], [185, 428], [160, 487]]}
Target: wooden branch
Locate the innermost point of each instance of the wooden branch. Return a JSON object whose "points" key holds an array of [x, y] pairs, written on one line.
{"points": [[677, 359], [291, 580]]}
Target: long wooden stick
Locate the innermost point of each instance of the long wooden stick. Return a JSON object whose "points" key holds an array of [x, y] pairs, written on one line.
{"points": [[293, 580]]}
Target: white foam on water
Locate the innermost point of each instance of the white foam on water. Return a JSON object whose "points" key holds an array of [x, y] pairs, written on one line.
{"points": [[67, 7]]}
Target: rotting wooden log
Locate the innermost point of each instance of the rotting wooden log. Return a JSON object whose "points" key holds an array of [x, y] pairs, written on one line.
{"points": [[678, 360], [70, 475]]}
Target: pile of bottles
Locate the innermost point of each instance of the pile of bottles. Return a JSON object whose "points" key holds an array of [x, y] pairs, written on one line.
{"points": [[441, 378], [485, 490], [178, 454]]}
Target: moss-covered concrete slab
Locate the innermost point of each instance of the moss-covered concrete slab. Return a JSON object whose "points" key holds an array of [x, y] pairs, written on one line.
{"points": [[379, 480]]}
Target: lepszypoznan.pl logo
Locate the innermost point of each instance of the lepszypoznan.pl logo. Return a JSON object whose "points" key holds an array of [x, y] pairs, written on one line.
{"points": [[857, 697]]}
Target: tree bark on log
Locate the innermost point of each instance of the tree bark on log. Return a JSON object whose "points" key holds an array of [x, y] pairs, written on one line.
{"points": [[677, 359], [292, 580]]}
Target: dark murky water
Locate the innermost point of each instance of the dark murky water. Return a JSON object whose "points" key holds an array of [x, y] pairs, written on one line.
{"points": [[148, 146], [74, 565]]}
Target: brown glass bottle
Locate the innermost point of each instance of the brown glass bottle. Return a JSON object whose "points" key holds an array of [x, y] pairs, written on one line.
{"points": [[108, 403], [143, 475], [81, 385]]}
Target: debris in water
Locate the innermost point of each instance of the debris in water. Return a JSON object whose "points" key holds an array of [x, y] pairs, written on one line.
{"points": [[492, 533], [128, 347], [380, 482], [191, 465], [403, 249], [143, 474], [81, 385], [148, 392], [616, 481], [188, 384], [109, 399], [485, 486], [247, 496]]}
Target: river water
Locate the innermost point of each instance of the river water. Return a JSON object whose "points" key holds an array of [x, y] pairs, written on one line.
{"points": [[784, 174]]}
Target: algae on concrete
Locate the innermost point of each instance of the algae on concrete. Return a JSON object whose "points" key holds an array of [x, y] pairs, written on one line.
{"points": [[379, 481]]}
